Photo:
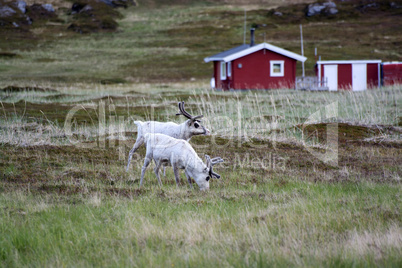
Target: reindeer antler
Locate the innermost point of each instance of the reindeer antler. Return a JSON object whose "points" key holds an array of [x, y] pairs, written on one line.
{"points": [[211, 163], [186, 114]]}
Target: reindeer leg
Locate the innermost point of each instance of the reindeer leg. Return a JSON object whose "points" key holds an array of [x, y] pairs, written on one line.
{"points": [[137, 144], [144, 167], [176, 174], [189, 179], [156, 169]]}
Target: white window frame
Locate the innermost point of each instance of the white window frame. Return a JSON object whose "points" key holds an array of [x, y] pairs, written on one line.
{"points": [[229, 71], [282, 66], [223, 70]]}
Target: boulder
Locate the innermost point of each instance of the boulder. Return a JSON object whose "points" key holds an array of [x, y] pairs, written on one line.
{"points": [[6, 11], [395, 5], [119, 3], [327, 8], [93, 16], [41, 12], [48, 7], [11, 16], [76, 8], [22, 6]]}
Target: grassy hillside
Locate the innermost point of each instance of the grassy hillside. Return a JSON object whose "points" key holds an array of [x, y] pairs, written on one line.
{"points": [[156, 43]]}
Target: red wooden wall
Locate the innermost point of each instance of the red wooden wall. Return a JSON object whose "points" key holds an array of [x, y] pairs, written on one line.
{"points": [[372, 75], [255, 72], [392, 74]]}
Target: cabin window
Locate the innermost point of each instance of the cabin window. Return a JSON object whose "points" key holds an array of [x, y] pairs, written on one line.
{"points": [[229, 69], [277, 68], [223, 70]]}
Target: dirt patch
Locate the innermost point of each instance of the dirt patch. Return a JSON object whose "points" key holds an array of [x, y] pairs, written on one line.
{"points": [[59, 96], [9, 55], [112, 81], [347, 132], [11, 89]]}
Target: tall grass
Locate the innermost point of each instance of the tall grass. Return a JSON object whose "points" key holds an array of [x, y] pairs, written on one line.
{"points": [[279, 114]]}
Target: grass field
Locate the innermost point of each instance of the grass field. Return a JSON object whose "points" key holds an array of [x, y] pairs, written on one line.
{"points": [[309, 179]]}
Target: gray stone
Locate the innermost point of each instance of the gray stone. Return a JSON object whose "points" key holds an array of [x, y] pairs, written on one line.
{"points": [[332, 11], [279, 14], [6, 11], [314, 9], [48, 7], [118, 3], [395, 5], [108, 2], [327, 8], [21, 5], [87, 8]]}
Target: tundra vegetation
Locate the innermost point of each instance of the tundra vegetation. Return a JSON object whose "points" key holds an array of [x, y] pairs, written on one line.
{"points": [[67, 109]]}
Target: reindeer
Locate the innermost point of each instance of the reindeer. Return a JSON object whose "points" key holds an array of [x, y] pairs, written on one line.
{"points": [[184, 131], [165, 150]]}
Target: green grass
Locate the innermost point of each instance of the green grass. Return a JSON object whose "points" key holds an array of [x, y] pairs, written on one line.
{"points": [[296, 223]]}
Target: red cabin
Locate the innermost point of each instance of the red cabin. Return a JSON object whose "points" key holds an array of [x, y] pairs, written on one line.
{"points": [[250, 66], [355, 75]]}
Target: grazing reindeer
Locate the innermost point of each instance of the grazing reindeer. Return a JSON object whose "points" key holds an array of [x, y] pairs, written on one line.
{"points": [[165, 150], [183, 131]]}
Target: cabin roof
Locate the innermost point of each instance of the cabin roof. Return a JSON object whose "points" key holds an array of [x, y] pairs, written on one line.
{"points": [[347, 61], [246, 49]]}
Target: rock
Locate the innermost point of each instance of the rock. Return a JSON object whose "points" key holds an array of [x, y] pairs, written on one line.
{"points": [[20, 5], [48, 7], [119, 3], [327, 8], [87, 9], [93, 16], [28, 20], [77, 8], [108, 2], [277, 13], [395, 5], [6, 11], [331, 11], [12, 15], [41, 12], [314, 9]]}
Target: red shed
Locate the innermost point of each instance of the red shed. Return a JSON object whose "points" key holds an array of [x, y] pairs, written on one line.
{"points": [[250, 66], [353, 75], [392, 73]]}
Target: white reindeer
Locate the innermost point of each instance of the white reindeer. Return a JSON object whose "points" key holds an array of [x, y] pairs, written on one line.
{"points": [[182, 131], [165, 150]]}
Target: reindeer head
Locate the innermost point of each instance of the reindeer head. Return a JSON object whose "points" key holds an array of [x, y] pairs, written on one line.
{"points": [[202, 177], [193, 123]]}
